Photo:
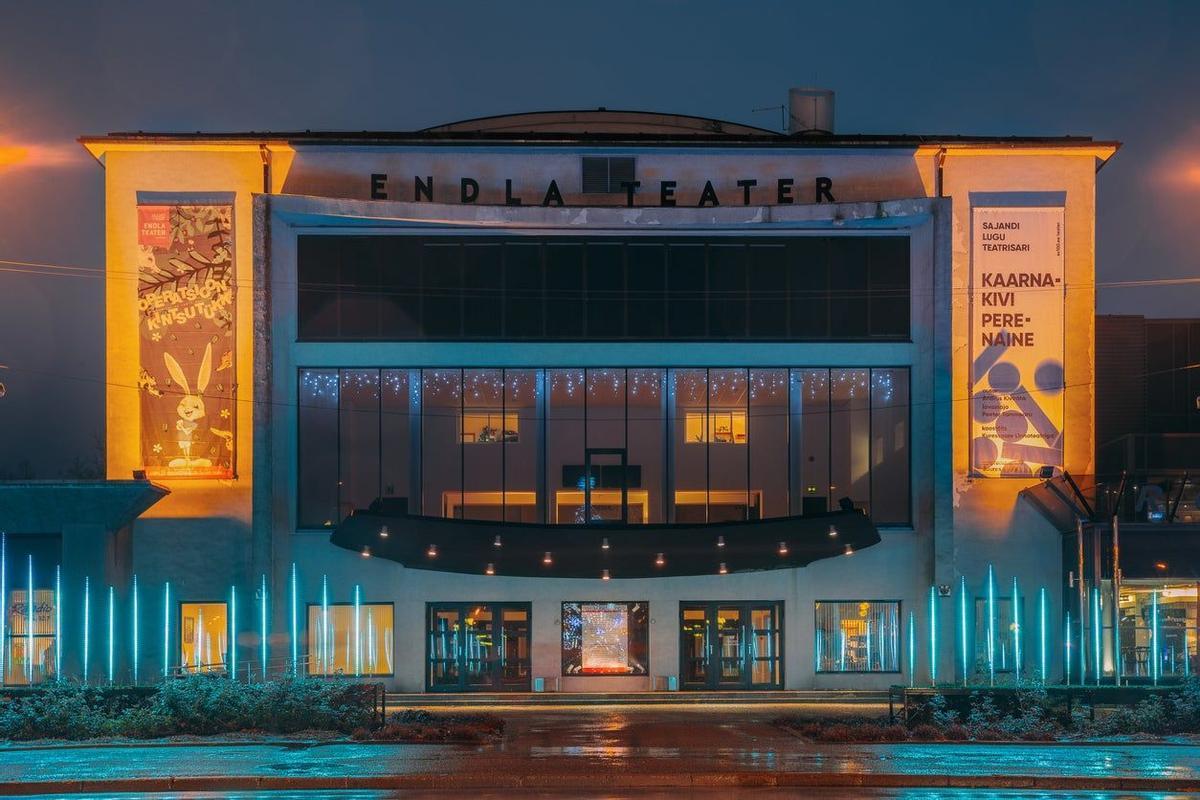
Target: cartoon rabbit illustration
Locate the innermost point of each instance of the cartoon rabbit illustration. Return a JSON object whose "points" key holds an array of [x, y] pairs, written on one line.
{"points": [[190, 408]]}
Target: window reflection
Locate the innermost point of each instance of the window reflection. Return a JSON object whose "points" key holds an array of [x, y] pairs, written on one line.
{"points": [[528, 445]]}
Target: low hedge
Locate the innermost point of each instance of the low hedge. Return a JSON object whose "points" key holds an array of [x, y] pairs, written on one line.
{"points": [[195, 705], [1029, 714]]}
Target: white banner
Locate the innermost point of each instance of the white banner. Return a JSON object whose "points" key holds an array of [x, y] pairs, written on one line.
{"points": [[1017, 291]]}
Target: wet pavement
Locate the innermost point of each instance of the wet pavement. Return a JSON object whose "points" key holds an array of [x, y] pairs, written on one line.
{"points": [[652, 794], [607, 746]]}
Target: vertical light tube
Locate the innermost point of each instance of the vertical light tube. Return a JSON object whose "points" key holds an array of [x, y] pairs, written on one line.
{"points": [[842, 657], [991, 644], [58, 622], [135, 631], [868, 642], [1067, 647], [198, 644], [1156, 664], [325, 639], [1042, 633], [231, 645], [912, 649], [112, 629], [167, 629], [1017, 632], [263, 627], [3, 603], [87, 626], [933, 650], [1097, 665], [357, 631], [295, 631], [29, 607], [962, 625], [817, 652]]}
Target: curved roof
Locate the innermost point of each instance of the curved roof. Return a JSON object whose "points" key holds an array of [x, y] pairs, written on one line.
{"points": [[600, 120]]}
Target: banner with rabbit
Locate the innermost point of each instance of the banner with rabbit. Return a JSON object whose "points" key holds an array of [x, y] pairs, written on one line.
{"points": [[186, 293]]}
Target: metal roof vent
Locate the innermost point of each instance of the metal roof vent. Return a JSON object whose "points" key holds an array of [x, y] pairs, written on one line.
{"points": [[810, 111]]}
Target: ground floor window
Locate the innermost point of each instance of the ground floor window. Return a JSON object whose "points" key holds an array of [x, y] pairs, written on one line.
{"points": [[29, 609], [995, 638], [1146, 606], [477, 646], [203, 636], [731, 645], [857, 636], [605, 638], [350, 639]]}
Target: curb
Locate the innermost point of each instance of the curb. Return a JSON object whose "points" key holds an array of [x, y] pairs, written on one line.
{"points": [[625, 780]]}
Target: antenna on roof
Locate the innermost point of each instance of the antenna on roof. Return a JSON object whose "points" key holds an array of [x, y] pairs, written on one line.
{"points": [[782, 109]]}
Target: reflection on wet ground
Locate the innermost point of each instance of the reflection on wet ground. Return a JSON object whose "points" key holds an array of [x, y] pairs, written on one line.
{"points": [[612, 741], [652, 794]]}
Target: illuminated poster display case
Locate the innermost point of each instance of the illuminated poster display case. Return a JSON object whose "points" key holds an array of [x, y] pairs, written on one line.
{"points": [[605, 638]]}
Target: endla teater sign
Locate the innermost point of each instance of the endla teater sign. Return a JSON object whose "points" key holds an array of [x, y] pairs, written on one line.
{"points": [[1016, 352]]}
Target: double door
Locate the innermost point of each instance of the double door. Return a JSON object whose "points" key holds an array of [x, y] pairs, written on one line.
{"points": [[477, 647], [731, 645]]}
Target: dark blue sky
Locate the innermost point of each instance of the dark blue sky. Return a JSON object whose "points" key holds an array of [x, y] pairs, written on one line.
{"points": [[1114, 70]]}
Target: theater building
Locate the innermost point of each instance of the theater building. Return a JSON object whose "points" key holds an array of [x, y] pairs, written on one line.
{"points": [[580, 401]]}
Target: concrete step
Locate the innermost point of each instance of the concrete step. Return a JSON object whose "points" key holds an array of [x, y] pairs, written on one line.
{"points": [[434, 699]]}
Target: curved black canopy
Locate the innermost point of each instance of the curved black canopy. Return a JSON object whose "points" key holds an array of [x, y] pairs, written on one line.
{"points": [[576, 551]]}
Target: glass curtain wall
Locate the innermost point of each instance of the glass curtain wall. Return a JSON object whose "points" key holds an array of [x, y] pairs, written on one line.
{"points": [[530, 445]]}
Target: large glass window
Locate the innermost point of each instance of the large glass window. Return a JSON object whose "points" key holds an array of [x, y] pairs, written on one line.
{"points": [[527, 445], [605, 638], [857, 636], [1175, 605], [203, 636], [30, 647], [348, 639], [719, 288], [318, 448], [442, 443], [358, 439]]}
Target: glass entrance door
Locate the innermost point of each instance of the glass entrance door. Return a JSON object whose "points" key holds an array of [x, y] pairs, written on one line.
{"points": [[477, 647], [734, 645]]}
